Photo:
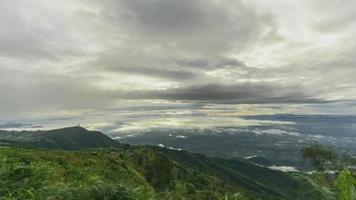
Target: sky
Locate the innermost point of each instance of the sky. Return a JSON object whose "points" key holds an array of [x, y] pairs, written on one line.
{"points": [[128, 64]]}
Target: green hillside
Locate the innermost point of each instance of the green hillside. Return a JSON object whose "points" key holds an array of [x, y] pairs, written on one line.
{"points": [[30, 170], [72, 138], [140, 173]]}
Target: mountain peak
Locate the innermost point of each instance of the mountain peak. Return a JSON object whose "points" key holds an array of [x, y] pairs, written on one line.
{"points": [[74, 128]]}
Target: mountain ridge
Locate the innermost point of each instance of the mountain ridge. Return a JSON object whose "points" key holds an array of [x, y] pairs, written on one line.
{"points": [[69, 138]]}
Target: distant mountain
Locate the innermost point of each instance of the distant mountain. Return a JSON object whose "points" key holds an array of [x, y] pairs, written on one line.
{"points": [[72, 138]]}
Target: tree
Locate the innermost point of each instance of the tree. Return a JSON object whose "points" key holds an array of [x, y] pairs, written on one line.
{"points": [[321, 156], [324, 158]]}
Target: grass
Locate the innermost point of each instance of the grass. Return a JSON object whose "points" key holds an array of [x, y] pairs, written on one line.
{"points": [[130, 172]]}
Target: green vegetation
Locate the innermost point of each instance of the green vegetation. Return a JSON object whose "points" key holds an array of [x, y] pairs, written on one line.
{"points": [[332, 170], [72, 138], [104, 174], [321, 156], [119, 171], [345, 184], [141, 173]]}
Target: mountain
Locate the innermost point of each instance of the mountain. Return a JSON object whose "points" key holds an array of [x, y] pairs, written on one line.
{"points": [[134, 172], [72, 138]]}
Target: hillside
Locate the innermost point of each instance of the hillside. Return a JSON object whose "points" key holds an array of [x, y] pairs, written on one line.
{"points": [[258, 160], [141, 173], [72, 138], [136, 172]]}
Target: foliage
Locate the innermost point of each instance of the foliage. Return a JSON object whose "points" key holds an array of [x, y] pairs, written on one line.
{"points": [[321, 156], [345, 184], [103, 174], [335, 169], [130, 172]]}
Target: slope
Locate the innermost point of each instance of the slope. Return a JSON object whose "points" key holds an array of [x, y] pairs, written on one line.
{"points": [[72, 138], [162, 173]]}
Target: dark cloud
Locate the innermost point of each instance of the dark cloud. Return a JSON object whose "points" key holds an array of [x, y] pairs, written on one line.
{"points": [[205, 26], [250, 93], [210, 63], [170, 17], [159, 107], [155, 72]]}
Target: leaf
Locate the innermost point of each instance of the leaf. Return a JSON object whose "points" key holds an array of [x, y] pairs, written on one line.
{"points": [[345, 185]]}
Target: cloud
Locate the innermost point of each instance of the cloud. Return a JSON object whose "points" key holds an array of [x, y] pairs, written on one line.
{"points": [[156, 72], [76, 55], [112, 63], [35, 92], [249, 93], [26, 35], [333, 16], [210, 63], [14, 125], [206, 26]]}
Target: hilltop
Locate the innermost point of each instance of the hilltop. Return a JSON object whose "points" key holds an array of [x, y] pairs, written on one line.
{"points": [[71, 138]]}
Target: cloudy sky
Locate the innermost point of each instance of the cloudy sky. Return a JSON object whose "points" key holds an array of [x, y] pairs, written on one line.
{"points": [[112, 64]]}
